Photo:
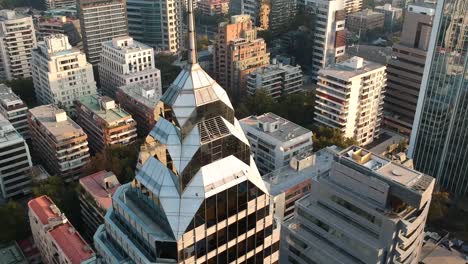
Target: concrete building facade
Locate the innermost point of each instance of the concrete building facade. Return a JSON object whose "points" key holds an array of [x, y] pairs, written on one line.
{"points": [[213, 7], [15, 110], [60, 25], [352, 6], [392, 15], [365, 20]]}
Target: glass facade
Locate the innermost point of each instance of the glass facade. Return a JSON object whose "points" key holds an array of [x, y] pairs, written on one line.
{"points": [[439, 141]]}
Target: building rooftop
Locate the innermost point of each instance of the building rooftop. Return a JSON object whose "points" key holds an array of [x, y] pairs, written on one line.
{"points": [[6, 14], [367, 13], [11, 254], [57, 123], [126, 44], [142, 93], [275, 126], [105, 108], [101, 186], [7, 96], [350, 68], [45, 209], [7, 132]]}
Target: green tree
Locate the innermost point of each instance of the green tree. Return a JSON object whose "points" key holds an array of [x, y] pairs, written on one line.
{"points": [[168, 71], [298, 108], [326, 136], [13, 222], [24, 88], [261, 102]]}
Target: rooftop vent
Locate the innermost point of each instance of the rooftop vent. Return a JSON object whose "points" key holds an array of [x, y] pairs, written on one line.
{"points": [[60, 115], [396, 172]]}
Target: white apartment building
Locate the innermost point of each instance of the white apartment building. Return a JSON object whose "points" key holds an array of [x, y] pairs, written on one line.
{"points": [[125, 61], [15, 110], [350, 98], [17, 40], [275, 140], [15, 162], [61, 73], [52, 4], [276, 79], [365, 209]]}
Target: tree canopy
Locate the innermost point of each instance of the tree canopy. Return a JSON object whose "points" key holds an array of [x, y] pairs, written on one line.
{"points": [[24, 88], [168, 71], [326, 136], [13, 222]]}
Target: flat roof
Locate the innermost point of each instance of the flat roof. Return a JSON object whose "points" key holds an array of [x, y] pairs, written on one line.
{"points": [[42, 207], [11, 254], [7, 96], [71, 243], [135, 91], [45, 114], [95, 186], [344, 71], [7, 131], [93, 103]]}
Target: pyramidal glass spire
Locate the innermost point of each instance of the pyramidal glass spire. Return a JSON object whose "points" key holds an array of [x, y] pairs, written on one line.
{"points": [[198, 196]]}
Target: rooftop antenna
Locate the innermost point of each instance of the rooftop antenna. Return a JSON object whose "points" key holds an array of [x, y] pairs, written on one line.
{"points": [[192, 56]]}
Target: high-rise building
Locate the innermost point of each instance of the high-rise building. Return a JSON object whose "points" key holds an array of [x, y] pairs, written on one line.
{"points": [[438, 144], [15, 162], [213, 7], [365, 209], [352, 6], [200, 198], [405, 68], [63, 145], [125, 61], [17, 40], [15, 110], [55, 237], [364, 21], [392, 15], [350, 98], [277, 80], [105, 123], [61, 73], [259, 11], [238, 52], [101, 20], [51, 4], [270, 14], [157, 23], [275, 141]]}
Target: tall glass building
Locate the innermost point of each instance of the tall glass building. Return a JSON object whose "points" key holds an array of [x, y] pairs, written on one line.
{"points": [[439, 140], [198, 198]]}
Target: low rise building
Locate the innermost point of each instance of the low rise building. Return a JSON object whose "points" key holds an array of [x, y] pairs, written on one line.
{"points": [[392, 14], [365, 20], [62, 143], [14, 109], [105, 123], [56, 238], [95, 194], [11, 254], [274, 141]]}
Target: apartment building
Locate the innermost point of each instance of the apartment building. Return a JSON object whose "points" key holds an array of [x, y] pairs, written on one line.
{"points": [[15, 110], [392, 15], [61, 73], [60, 25], [125, 61], [62, 143], [95, 194], [52, 4], [213, 7], [15, 162], [55, 237], [17, 40], [350, 98], [277, 80], [352, 6], [105, 123], [366, 209], [101, 21], [274, 141], [258, 10], [143, 103], [271, 14], [365, 20]]}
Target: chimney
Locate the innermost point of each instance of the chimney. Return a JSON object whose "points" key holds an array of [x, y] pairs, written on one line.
{"points": [[302, 161]]}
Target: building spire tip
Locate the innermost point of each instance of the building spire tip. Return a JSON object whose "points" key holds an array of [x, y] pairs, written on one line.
{"points": [[192, 56]]}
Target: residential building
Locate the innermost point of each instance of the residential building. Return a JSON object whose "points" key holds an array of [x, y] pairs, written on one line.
{"points": [[17, 40], [156, 23], [62, 143], [329, 32], [352, 6], [61, 73], [259, 12], [364, 21], [125, 61], [53, 4], [277, 80], [213, 7], [95, 194], [238, 52], [350, 98], [105, 123], [405, 69], [14, 109], [60, 25], [15, 162], [366, 209], [270, 14], [235, 7], [392, 15], [217, 211], [437, 145], [101, 21], [275, 141], [68, 11], [143, 103], [56, 238], [12, 254]]}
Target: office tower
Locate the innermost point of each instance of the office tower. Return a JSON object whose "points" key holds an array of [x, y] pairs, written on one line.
{"points": [[95, 195], [101, 21], [60, 25], [56, 238], [61, 73], [17, 40], [213, 7], [282, 13], [275, 140], [352, 6], [235, 7], [200, 197], [143, 103], [156, 23], [438, 144], [52, 4], [63, 145], [125, 61], [277, 80], [350, 98], [366, 209], [405, 69], [15, 162], [238, 52], [15, 110], [105, 123], [365, 20], [329, 32], [392, 14]]}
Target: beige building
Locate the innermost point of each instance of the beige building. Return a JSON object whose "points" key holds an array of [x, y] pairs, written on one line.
{"points": [[352, 6], [365, 20]]}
